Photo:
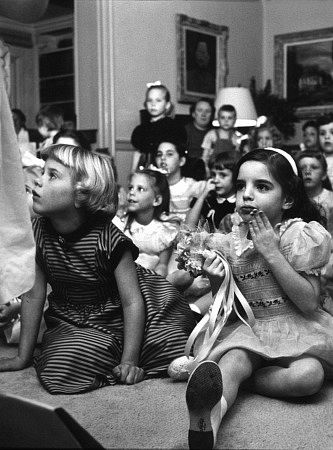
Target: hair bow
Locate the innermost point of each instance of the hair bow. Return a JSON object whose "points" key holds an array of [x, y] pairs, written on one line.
{"points": [[155, 83]]}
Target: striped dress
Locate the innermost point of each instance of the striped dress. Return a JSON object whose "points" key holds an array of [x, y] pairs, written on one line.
{"points": [[83, 341]]}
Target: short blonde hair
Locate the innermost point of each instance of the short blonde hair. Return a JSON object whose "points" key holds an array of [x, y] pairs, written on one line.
{"points": [[92, 176]]}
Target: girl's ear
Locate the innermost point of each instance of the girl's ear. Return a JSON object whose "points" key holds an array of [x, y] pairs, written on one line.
{"points": [[158, 200], [288, 203], [182, 161]]}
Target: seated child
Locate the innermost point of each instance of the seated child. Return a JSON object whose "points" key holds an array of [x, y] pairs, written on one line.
{"points": [[325, 127], [109, 321], [71, 137], [314, 170], [171, 158], [49, 121], [146, 221], [263, 137], [218, 198], [275, 253], [221, 139], [310, 136]]}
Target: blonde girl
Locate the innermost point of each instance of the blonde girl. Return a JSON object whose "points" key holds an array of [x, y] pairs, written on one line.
{"points": [[109, 321], [156, 127]]}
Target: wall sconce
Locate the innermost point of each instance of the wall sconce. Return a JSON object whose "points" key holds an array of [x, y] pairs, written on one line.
{"points": [[242, 101]]}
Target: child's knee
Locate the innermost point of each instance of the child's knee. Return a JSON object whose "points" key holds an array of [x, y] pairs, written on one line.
{"points": [[310, 378], [239, 361]]}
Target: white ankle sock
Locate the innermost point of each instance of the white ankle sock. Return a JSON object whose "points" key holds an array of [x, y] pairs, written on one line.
{"points": [[217, 414]]}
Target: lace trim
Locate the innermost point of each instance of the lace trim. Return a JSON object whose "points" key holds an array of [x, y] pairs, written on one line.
{"points": [[280, 228], [240, 231]]}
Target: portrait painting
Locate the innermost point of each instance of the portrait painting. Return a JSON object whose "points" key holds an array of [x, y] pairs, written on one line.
{"points": [[202, 58], [304, 71]]}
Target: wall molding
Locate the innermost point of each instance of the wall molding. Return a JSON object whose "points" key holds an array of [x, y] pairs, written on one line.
{"points": [[105, 65]]}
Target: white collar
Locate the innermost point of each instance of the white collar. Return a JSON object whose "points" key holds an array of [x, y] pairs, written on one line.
{"points": [[231, 199]]}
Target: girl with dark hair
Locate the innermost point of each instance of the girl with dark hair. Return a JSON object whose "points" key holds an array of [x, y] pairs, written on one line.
{"points": [[147, 222], [275, 251]]}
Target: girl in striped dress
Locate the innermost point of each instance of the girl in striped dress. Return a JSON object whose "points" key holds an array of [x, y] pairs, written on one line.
{"points": [[109, 321]]}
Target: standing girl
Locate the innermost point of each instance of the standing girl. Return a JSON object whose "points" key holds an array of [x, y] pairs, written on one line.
{"points": [[108, 321], [275, 253], [313, 166], [156, 128], [146, 222]]}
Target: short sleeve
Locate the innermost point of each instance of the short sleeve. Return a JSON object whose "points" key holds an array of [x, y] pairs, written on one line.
{"points": [[197, 188], [208, 140], [168, 234], [115, 243], [306, 246]]}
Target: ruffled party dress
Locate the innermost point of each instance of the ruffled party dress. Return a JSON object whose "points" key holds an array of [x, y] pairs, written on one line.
{"points": [[281, 330]]}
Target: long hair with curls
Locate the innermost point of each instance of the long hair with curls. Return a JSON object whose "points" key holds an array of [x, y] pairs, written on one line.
{"points": [[291, 184], [92, 176]]}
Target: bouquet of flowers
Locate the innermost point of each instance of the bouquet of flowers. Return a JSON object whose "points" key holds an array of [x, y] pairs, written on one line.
{"points": [[192, 249]]}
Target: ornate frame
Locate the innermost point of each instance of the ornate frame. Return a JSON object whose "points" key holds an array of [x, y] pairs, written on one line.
{"points": [[187, 29], [310, 97]]}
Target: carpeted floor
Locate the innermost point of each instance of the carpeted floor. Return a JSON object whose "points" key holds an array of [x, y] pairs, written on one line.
{"points": [[152, 415]]}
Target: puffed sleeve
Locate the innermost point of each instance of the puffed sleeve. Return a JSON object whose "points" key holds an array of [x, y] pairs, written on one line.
{"points": [[306, 246], [167, 235]]}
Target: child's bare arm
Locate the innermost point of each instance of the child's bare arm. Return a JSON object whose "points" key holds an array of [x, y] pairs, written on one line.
{"points": [[213, 267], [134, 321], [135, 160], [31, 313], [206, 155], [193, 216], [162, 266], [302, 289]]}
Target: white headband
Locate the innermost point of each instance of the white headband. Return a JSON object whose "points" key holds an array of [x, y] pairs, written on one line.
{"points": [[287, 156]]}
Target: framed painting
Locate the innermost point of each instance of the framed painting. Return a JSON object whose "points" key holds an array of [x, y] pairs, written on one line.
{"points": [[304, 71], [201, 58]]}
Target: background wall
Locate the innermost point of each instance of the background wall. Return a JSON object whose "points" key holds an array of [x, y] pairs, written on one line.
{"points": [[143, 34], [145, 48]]}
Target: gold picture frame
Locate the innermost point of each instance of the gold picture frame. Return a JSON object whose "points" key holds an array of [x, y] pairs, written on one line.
{"points": [[304, 71], [202, 65]]}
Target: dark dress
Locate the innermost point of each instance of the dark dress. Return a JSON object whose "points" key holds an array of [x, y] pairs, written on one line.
{"points": [[83, 341], [147, 137], [213, 212], [194, 166]]}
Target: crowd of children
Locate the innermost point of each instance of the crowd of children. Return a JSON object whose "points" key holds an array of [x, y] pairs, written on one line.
{"points": [[123, 299]]}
